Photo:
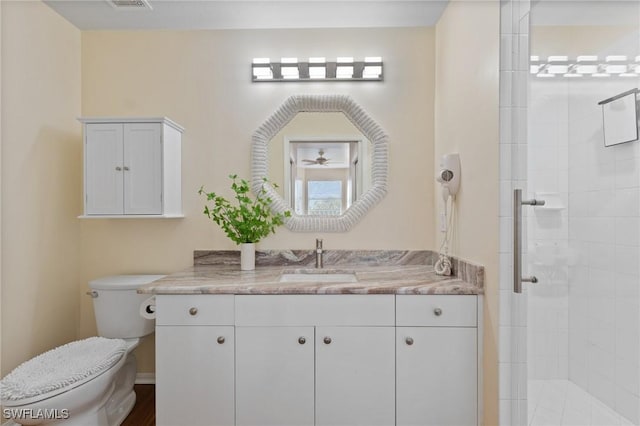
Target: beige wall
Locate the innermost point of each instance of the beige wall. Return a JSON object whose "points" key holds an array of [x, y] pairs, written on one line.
{"points": [[201, 79], [573, 41], [41, 181], [466, 116]]}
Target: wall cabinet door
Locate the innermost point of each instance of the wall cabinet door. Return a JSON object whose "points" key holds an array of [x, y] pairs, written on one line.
{"points": [[104, 178], [142, 168], [355, 376], [274, 376], [436, 381], [195, 375]]}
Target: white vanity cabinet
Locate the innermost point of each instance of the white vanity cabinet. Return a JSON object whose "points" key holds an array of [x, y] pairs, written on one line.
{"points": [[195, 359], [132, 167], [316, 360], [274, 376], [437, 360], [355, 374]]}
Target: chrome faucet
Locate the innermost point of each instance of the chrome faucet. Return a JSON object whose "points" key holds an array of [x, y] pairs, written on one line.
{"points": [[319, 253]]}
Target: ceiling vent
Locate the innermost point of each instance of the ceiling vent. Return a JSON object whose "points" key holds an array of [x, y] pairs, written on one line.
{"points": [[130, 4]]}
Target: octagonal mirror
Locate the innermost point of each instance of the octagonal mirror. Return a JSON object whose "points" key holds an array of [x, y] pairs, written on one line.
{"points": [[328, 158]]}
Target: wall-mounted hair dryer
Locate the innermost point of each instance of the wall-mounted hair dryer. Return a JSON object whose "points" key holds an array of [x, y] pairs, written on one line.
{"points": [[449, 175]]}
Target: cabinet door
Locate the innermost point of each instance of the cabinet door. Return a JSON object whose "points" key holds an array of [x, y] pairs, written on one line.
{"points": [[142, 166], [194, 376], [274, 376], [355, 376], [436, 376], [103, 169]]}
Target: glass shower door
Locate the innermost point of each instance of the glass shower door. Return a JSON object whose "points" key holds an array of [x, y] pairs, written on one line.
{"points": [[583, 315]]}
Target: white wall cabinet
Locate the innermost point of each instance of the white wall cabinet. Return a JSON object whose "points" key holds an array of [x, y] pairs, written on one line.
{"points": [[132, 167], [317, 360]]}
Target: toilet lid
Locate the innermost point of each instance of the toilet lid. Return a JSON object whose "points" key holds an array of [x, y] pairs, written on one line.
{"points": [[61, 368]]}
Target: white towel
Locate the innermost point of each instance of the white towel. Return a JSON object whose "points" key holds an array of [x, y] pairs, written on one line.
{"points": [[61, 367]]}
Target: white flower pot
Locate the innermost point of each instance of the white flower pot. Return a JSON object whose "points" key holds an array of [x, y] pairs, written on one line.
{"points": [[248, 256]]}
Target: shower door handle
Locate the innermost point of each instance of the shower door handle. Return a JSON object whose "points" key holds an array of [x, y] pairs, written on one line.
{"points": [[518, 202]]}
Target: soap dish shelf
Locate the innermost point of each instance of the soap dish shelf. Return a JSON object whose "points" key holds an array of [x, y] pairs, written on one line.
{"points": [[553, 202]]}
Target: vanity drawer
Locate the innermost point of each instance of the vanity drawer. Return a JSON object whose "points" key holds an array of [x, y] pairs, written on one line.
{"points": [[436, 310], [315, 310], [194, 309]]}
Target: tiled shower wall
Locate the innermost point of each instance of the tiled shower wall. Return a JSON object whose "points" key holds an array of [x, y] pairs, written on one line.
{"points": [[514, 65], [548, 229], [604, 233]]}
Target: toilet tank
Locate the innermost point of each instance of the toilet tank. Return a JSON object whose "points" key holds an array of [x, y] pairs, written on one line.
{"points": [[117, 306]]}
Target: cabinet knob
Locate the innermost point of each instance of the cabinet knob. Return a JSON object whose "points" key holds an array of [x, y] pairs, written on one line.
{"points": [[193, 311], [220, 340], [126, 169], [327, 340], [437, 312], [408, 341], [118, 168], [302, 340]]}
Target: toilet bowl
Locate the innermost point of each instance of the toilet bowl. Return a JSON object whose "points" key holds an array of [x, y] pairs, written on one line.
{"points": [[86, 382]]}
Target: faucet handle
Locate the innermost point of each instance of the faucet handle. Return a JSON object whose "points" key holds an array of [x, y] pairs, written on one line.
{"points": [[318, 243]]}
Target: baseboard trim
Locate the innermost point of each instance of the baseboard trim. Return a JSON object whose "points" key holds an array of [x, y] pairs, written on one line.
{"points": [[145, 378]]}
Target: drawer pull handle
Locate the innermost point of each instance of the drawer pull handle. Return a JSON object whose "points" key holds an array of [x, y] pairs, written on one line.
{"points": [[193, 311], [408, 341], [302, 340], [327, 340], [437, 312], [220, 340]]}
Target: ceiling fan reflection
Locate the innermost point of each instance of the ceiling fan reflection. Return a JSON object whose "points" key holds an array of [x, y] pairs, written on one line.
{"points": [[320, 160]]}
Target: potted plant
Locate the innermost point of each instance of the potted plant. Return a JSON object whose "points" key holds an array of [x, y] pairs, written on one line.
{"points": [[247, 222]]}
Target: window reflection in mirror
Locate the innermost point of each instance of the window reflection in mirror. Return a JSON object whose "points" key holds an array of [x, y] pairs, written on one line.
{"points": [[321, 163]]}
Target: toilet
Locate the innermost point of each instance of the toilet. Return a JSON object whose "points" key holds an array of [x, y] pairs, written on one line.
{"points": [[87, 382]]}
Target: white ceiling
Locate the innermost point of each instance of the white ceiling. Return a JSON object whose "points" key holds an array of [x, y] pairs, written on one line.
{"points": [[243, 14]]}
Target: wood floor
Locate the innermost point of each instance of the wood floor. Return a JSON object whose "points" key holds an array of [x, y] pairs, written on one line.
{"points": [[144, 412]]}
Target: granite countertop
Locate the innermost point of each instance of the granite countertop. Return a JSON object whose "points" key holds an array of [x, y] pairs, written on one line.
{"points": [[377, 272]]}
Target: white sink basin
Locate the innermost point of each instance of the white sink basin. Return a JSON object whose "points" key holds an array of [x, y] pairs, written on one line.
{"points": [[318, 277]]}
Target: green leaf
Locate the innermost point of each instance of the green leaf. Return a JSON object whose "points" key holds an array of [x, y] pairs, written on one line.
{"points": [[249, 220]]}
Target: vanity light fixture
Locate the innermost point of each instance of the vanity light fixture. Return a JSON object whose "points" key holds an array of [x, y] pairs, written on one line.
{"points": [[289, 68], [372, 67], [262, 69], [558, 65], [344, 67], [317, 69], [616, 64], [585, 66], [535, 66]]}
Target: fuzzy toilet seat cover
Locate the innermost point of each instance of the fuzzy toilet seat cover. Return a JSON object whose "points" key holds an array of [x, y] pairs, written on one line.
{"points": [[61, 367]]}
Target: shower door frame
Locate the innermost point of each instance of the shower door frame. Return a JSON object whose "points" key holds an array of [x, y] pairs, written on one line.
{"points": [[512, 334]]}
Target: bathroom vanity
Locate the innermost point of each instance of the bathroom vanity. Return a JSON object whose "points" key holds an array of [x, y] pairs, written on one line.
{"points": [[395, 344]]}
